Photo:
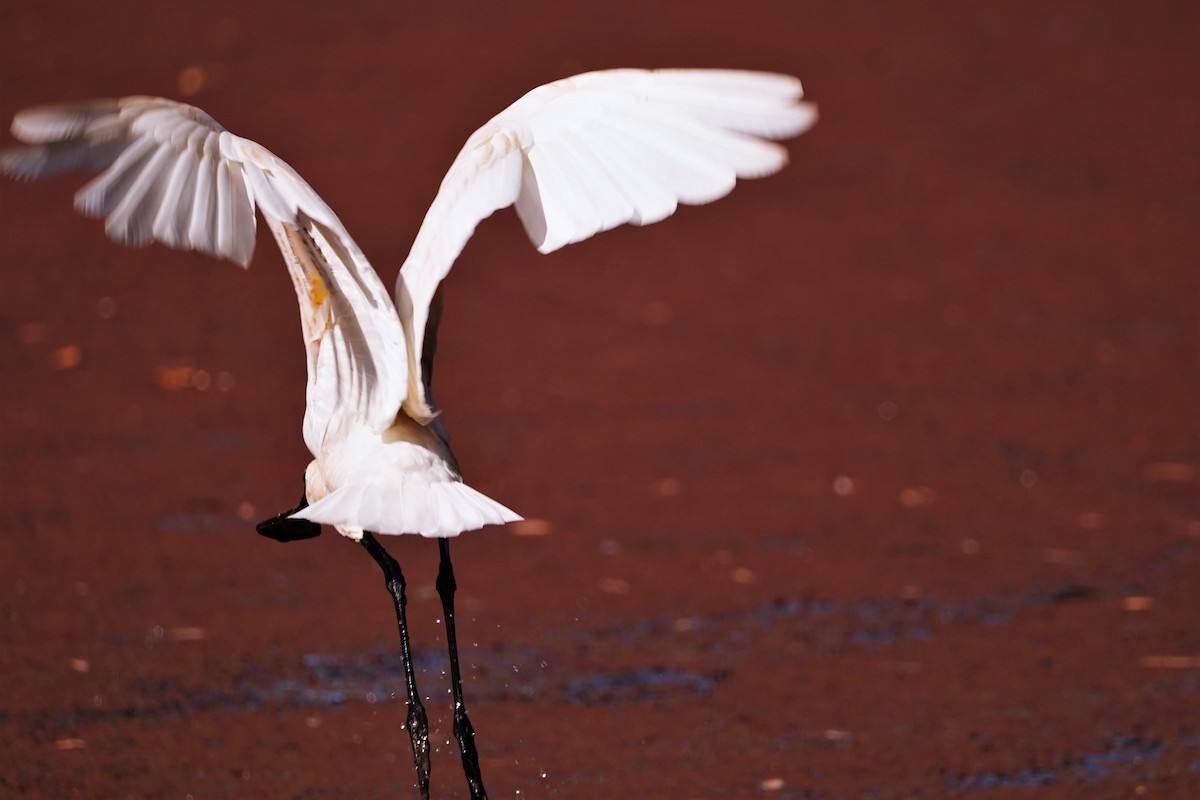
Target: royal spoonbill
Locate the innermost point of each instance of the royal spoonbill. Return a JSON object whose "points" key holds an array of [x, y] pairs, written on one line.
{"points": [[576, 156]]}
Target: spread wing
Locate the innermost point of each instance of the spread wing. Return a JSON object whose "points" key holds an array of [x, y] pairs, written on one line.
{"points": [[171, 174], [589, 153]]}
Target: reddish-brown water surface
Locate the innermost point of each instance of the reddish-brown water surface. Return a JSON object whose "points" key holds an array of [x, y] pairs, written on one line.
{"points": [[878, 478]]}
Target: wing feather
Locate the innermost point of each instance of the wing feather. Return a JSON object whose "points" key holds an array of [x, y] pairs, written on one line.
{"points": [[612, 204], [46, 124], [588, 153], [170, 173], [575, 157], [131, 222], [99, 197], [200, 233], [178, 195]]}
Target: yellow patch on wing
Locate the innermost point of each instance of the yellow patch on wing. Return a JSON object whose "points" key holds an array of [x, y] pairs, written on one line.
{"points": [[318, 292], [310, 282]]}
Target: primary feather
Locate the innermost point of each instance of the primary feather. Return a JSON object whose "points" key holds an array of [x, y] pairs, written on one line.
{"points": [[575, 157]]}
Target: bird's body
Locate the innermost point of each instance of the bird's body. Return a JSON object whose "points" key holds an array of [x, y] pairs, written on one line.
{"points": [[408, 465], [575, 157], [374, 467]]}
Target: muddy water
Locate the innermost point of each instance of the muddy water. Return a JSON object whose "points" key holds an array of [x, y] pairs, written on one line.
{"points": [[877, 479]]}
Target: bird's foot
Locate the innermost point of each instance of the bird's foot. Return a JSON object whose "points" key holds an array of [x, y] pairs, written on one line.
{"points": [[418, 732], [464, 733], [284, 528]]}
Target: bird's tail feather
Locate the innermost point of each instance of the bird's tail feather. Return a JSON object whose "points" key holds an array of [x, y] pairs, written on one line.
{"points": [[440, 508]]}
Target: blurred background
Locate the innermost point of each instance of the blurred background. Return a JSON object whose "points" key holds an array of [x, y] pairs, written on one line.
{"points": [[878, 478]]}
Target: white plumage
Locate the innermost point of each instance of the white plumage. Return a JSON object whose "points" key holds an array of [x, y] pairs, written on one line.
{"points": [[577, 156]]}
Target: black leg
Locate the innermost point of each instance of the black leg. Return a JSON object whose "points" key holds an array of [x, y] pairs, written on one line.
{"points": [[282, 529], [418, 724], [463, 731]]}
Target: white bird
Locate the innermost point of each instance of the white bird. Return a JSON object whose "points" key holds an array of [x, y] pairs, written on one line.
{"points": [[576, 156]]}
